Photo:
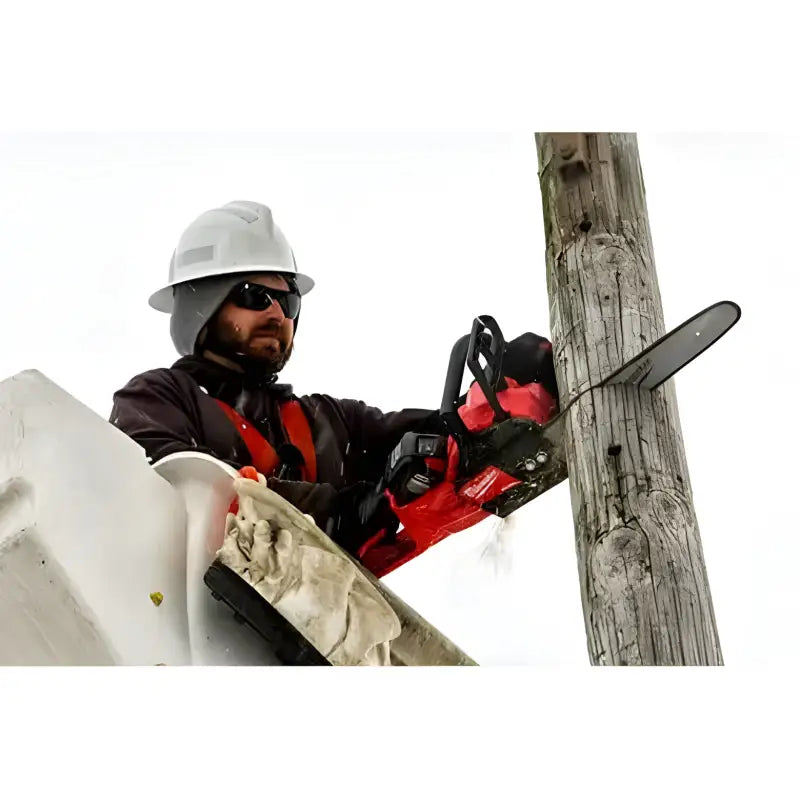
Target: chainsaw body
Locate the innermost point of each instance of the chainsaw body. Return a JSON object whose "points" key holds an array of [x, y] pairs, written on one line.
{"points": [[496, 458]]}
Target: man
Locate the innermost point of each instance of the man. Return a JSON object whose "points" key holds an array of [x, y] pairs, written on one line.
{"points": [[234, 297]]}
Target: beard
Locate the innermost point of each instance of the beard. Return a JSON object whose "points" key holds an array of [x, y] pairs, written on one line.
{"points": [[228, 340]]}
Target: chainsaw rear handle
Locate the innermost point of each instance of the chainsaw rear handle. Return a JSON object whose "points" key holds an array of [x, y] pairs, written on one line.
{"points": [[486, 339]]}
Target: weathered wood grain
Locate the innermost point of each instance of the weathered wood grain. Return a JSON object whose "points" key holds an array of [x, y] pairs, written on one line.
{"points": [[644, 587]]}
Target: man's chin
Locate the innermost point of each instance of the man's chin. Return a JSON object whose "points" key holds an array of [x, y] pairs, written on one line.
{"points": [[272, 357], [269, 348]]}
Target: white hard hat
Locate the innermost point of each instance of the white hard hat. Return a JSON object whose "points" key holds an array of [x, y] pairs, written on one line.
{"points": [[238, 238]]}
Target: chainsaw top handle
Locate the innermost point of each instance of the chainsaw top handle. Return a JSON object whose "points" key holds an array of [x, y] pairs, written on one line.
{"points": [[486, 339]]}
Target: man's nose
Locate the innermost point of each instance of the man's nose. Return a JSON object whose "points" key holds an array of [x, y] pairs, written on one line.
{"points": [[274, 311]]}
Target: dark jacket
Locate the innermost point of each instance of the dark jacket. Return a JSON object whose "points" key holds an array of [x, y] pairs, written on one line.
{"points": [[172, 410]]}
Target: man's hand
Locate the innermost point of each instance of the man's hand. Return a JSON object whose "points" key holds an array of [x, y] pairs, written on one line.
{"points": [[415, 477], [529, 359], [361, 511]]}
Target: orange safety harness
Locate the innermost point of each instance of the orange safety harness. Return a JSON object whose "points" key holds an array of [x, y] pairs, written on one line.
{"points": [[378, 555], [263, 455]]}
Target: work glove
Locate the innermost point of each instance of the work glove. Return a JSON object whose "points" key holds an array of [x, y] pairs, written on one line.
{"points": [[360, 512], [414, 478], [529, 359]]}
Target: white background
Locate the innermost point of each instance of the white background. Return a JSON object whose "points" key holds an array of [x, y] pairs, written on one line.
{"points": [[409, 233]]}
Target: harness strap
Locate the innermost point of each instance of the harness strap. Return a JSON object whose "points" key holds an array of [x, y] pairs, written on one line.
{"points": [[263, 454], [299, 432]]}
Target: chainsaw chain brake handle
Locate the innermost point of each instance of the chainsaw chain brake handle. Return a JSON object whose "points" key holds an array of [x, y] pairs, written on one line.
{"points": [[486, 339]]}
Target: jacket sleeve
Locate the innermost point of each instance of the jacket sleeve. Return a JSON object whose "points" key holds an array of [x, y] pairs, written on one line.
{"points": [[156, 412], [374, 434]]}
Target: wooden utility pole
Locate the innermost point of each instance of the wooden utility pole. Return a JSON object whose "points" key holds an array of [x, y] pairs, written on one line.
{"points": [[644, 587]]}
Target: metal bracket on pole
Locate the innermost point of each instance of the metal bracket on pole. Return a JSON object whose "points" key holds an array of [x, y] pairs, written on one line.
{"points": [[571, 151]]}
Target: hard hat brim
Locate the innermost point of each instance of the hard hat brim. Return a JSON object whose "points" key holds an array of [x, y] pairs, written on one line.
{"points": [[162, 299]]}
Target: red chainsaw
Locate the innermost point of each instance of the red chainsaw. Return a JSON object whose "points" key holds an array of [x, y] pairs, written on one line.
{"points": [[505, 443]]}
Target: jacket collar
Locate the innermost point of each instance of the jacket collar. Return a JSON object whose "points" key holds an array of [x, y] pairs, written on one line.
{"points": [[226, 383]]}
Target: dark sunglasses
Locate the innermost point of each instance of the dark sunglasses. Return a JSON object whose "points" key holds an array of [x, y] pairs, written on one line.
{"points": [[255, 297]]}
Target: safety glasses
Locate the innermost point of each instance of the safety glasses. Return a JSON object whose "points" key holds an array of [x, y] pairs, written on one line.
{"points": [[255, 297]]}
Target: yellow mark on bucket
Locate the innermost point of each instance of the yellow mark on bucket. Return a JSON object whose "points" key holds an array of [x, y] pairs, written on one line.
{"points": [[156, 597]]}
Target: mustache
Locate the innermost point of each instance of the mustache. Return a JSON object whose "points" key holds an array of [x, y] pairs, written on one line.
{"points": [[272, 329]]}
